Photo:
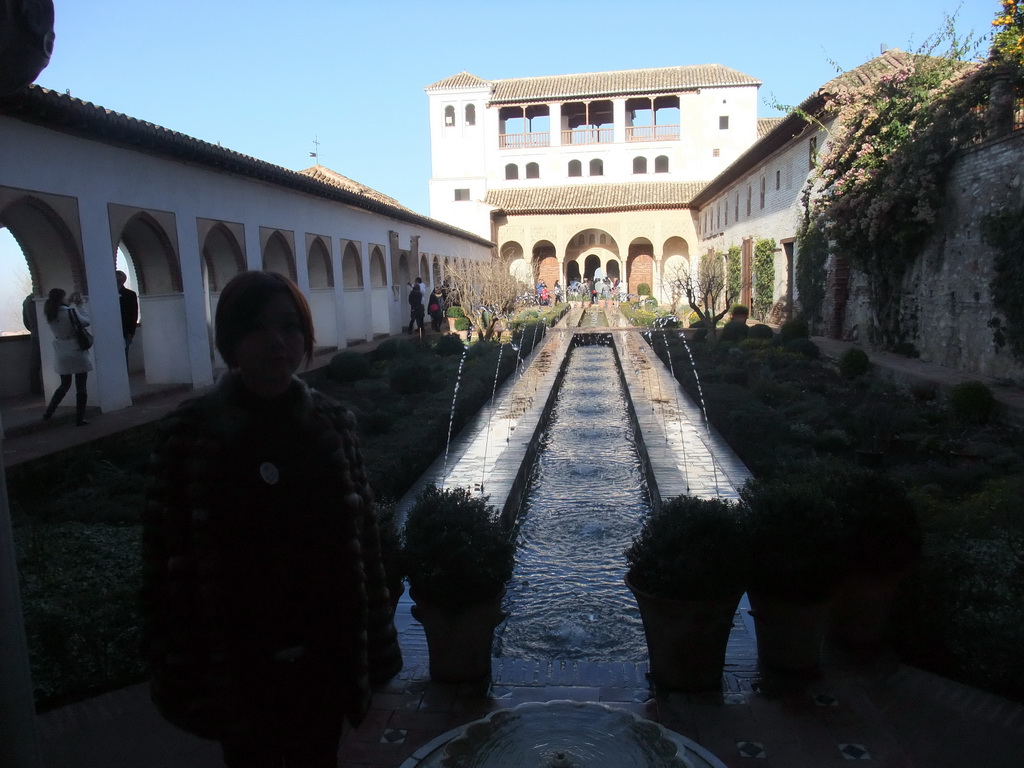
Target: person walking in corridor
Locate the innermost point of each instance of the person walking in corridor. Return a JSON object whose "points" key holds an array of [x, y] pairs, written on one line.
{"points": [[266, 615], [69, 357], [129, 301]]}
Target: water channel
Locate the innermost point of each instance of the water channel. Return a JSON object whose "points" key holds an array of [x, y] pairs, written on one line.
{"points": [[586, 499]]}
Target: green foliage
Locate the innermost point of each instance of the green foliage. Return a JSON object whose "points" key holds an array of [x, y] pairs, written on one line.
{"points": [[410, 377], [377, 422], [761, 331], [644, 289], [455, 549], [462, 324], [854, 362], [734, 270], [454, 312], [794, 328], [972, 402], [764, 277], [812, 245], [349, 366], [1004, 231], [803, 346], [449, 344], [797, 537], [693, 549], [881, 180], [734, 330], [395, 348]]}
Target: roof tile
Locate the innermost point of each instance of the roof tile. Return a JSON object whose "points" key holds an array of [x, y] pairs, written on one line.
{"points": [[586, 198]]}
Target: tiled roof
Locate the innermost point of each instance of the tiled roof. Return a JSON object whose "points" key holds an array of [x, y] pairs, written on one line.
{"points": [[61, 112], [335, 179], [625, 82], [462, 80], [765, 125], [589, 198]]}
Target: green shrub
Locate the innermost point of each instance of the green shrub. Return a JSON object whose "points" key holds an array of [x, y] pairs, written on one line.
{"points": [[462, 324], [734, 330], [377, 423], [449, 344], [454, 312], [395, 348], [803, 346], [794, 328], [972, 402], [853, 362], [761, 331], [411, 377], [644, 289], [349, 366], [740, 311]]}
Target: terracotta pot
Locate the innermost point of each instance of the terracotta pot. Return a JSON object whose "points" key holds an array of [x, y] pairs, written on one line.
{"points": [[789, 633], [862, 609], [459, 642], [451, 324], [686, 639]]}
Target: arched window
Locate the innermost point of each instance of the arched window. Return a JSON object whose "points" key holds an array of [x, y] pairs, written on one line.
{"points": [[661, 164], [575, 168], [470, 114], [597, 167], [639, 165], [511, 171], [532, 171], [449, 115]]}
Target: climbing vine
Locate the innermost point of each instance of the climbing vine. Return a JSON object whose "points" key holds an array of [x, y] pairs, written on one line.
{"points": [[734, 267], [880, 179], [1005, 232], [764, 277]]}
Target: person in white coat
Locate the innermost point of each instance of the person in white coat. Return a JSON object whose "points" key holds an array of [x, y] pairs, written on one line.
{"points": [[69, 358]]}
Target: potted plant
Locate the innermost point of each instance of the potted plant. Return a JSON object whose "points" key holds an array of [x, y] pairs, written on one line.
{"points": [[795, 566], [457, 555], [882, 540], [453, 313], [686, 573]]}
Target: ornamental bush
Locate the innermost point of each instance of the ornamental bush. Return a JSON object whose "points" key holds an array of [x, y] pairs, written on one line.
{"points": [[972, 402], [349, 366], [853, 362]]}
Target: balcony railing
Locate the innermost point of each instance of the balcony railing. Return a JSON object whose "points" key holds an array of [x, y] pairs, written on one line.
{"points": [[652, 132], [523, 140], [588, 136]]}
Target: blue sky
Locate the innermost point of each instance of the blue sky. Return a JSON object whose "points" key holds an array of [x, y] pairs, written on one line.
{"points": [[266, 78]]}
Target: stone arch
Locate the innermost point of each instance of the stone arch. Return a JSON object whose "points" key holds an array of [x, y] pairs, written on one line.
{"points": [[544, 263], [153, 256], [424, 268], [222, 256], [318, 265], [278, 256], [378, 269], [52, 252], [351, 268], [640, 264], [512, 253], [404, 270], [592, 242]]}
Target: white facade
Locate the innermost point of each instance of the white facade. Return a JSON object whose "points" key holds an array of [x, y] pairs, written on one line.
{"points": [[684, 124]]}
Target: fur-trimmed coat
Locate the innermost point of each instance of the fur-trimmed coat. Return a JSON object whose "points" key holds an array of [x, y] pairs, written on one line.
{"points": [[261, 550]]}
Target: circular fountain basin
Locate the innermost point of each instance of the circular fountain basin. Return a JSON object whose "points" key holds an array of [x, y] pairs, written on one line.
{"points": [[562, 734]]}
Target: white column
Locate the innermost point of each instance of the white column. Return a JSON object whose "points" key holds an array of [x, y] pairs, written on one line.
{"points": [[198, 323], [555, 120]]}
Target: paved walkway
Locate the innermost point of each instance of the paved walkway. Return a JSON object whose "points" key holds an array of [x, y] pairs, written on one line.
{"points": [[874, 709]]}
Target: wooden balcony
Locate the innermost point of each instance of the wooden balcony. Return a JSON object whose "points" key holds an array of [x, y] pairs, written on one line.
{"points": [[652, 132], [523, 140], [588, 136]]}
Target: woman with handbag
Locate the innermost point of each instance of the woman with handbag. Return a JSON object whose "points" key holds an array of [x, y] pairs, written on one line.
{"points": [[71, 344], [266, 612]]}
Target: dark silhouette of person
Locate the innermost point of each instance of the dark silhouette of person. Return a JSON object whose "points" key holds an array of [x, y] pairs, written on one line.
{"points": [[416, 313], [266, 615], [129, 301]]}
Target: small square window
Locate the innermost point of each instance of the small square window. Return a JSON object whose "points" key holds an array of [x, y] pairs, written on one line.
{"points": [[723, 122], [778, 180], [716, 152], [461, 194]]}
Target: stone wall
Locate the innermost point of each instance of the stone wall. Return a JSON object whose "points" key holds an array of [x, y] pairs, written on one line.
{"points": [[947, 303]]}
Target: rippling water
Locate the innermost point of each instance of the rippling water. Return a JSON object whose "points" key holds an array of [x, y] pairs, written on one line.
{"points": [[586, 501]]}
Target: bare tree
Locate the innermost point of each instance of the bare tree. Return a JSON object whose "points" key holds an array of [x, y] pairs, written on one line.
{"points": [[707, 290], [487, 291]]}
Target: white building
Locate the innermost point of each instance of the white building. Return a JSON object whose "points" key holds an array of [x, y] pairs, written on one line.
{"points": [[574, 173]]}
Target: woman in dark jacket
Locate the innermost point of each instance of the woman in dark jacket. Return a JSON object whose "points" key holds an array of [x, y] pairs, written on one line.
{"points": [[265, 606]]}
